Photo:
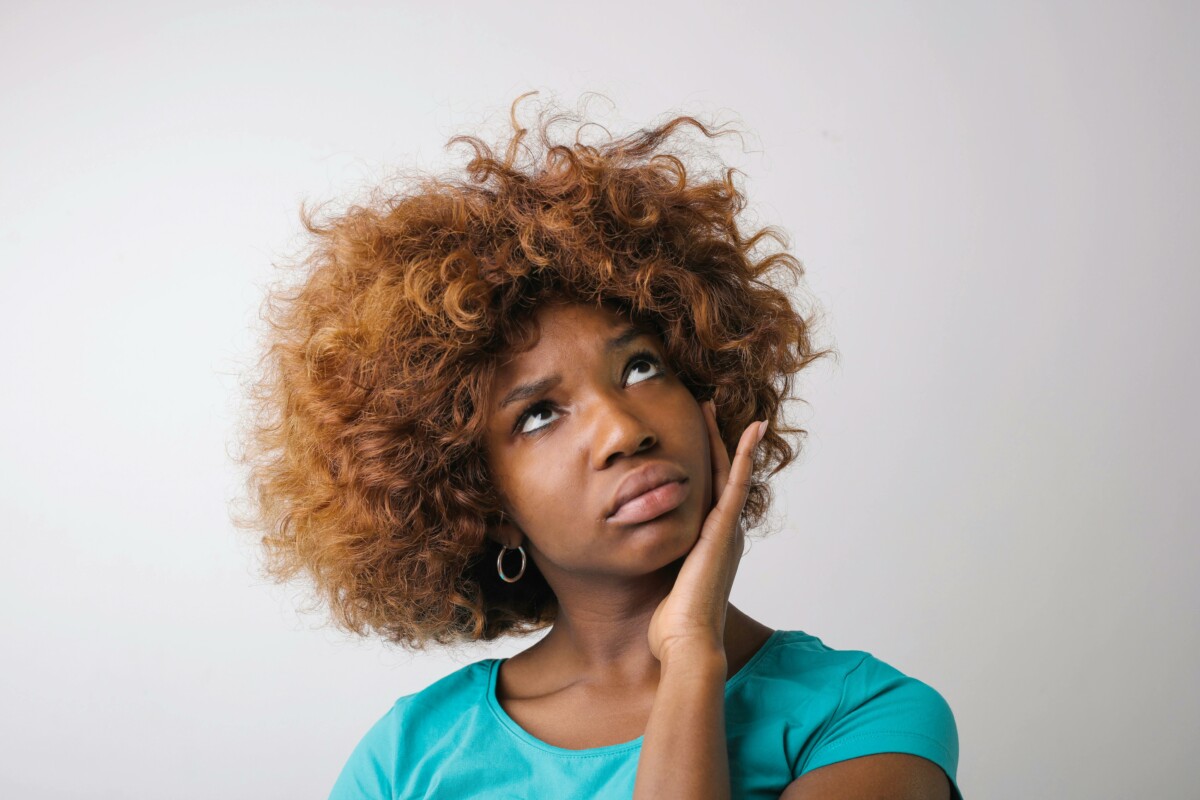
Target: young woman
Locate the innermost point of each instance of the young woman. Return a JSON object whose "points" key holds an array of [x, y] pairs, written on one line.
{"points": [[548, 394]]}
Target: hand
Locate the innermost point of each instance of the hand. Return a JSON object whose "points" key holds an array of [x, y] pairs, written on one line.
{"points": [[692, 616]]}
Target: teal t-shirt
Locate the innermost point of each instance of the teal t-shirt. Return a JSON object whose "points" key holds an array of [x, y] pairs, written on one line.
{"points": [[795, 706]]}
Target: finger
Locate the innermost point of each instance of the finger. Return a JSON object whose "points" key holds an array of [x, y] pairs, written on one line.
{"points": [[712, 563], [737, 488], [719, 456]]}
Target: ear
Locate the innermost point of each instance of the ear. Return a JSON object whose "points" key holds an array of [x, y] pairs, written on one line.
{"points": [[506, 532]]}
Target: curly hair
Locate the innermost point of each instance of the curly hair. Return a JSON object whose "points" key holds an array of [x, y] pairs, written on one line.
{"points": [[367, 470]]}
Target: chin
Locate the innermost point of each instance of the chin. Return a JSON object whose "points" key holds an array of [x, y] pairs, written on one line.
{"points": [[664, 540]]}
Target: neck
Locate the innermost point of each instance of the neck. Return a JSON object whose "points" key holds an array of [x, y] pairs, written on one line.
{"points": [[603, 629], [600, 633]]}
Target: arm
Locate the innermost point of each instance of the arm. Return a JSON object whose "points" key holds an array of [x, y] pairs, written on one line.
{"points": [[888, 776], [892, 736], [684, 751]]}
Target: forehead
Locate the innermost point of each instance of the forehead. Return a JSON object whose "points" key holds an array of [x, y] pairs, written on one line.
{"points": [[562, 323], [566, 329]]}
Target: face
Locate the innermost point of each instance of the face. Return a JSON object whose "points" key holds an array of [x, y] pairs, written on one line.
{"points": [[590, 414]]}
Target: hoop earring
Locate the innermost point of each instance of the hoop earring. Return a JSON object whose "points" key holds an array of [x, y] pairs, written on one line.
{"points": [[500, 563]]}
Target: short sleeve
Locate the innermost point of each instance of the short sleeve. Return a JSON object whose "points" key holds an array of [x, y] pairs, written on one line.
{"points": [[883, 710], [370, 770]]}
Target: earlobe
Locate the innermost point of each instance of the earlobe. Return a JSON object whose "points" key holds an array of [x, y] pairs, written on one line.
{"points": [[506, 533]]}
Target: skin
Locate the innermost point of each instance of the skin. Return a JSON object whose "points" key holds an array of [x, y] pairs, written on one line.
{"points": [[645, 636]]}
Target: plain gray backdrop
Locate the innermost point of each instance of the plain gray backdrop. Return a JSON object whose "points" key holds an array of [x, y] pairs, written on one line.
{"points": [[996, 205]]}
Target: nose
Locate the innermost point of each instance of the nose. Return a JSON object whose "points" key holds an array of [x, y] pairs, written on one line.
{"points": [[619, 431]]}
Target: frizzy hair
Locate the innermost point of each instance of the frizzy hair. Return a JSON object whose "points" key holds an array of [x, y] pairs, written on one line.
{"points": [[363, 444]]}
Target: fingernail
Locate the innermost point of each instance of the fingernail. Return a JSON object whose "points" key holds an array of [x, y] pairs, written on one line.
{"points": [[762, 431]]}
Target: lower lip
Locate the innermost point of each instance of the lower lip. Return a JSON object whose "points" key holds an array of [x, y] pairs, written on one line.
{"points": [[651, 504]]}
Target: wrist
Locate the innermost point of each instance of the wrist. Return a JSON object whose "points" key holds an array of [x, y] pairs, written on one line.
{"points": [[703, 660]]}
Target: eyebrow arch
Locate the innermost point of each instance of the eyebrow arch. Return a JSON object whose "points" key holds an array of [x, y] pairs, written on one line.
{"points": [[534, 388]]}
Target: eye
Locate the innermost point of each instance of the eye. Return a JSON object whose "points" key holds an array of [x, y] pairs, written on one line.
{"points": [[535, 411], [643, 362]]}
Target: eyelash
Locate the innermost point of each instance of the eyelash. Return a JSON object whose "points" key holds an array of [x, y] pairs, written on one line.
{"points": [[640, 356]]}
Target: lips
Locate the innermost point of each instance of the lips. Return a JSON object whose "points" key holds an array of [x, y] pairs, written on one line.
{"points": [[651, 489]]}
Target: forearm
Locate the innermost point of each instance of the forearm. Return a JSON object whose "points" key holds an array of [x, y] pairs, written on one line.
{"points": [[683, 751]]}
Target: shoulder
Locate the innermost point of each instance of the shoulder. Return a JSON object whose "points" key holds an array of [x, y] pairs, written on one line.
{"points": [[401, 735], [847, 684], [844, 704], [795, 663], [883, 710]]}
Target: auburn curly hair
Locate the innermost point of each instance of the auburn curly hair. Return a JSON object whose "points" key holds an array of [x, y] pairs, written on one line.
{"points": [[366, 469]]}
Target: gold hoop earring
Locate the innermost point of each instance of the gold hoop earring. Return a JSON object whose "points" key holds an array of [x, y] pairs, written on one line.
{"points": [[500, 563]]}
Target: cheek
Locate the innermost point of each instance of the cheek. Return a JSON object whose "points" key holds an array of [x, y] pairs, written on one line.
{"points": [[706, 462], [543, 500], [699, 448]]}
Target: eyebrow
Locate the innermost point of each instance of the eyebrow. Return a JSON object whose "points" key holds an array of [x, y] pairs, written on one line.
{"points": [[534, 388]]}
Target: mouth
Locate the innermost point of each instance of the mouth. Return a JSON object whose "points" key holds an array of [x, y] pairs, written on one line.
{"points": [[651, 504]]}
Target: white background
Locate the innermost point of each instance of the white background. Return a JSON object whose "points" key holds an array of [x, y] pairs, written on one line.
{"points": [[995, 203]]}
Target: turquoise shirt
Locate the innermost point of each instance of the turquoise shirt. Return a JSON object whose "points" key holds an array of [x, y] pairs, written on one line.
{"points": [[795, 706]]}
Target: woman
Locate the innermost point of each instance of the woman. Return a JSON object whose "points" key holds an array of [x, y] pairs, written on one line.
{"points": [[547, 394]]}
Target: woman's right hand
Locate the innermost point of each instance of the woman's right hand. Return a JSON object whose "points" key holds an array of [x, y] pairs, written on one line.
{"points": [[692, 617]]}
